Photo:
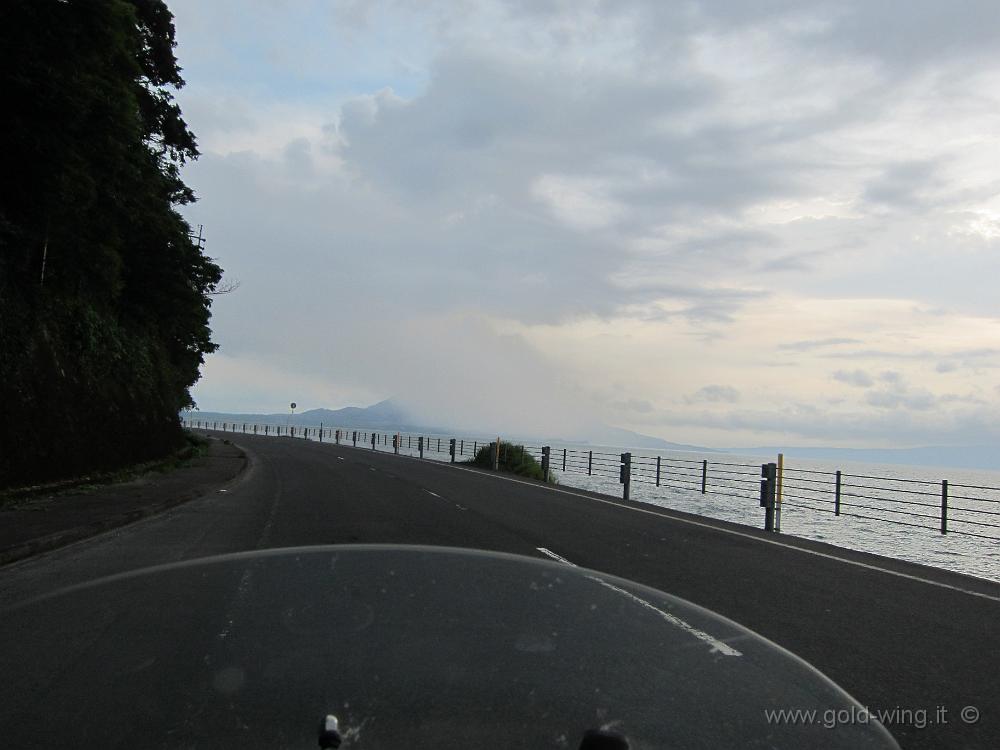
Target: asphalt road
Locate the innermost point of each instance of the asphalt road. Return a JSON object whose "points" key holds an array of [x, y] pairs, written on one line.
{"points": [[900, 638]]}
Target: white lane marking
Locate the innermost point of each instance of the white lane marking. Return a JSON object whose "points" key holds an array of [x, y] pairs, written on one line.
{"points": [[432, 493], [717, 645], [340, 458], [554, 556], [732, 532], [371, 468], [460, 507]]}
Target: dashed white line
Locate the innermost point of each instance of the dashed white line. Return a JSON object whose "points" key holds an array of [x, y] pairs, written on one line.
{"points": [[432, 493], [717, 646]]}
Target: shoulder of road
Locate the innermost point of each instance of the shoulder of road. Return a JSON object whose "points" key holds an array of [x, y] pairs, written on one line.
{"points": [[42, 521]]}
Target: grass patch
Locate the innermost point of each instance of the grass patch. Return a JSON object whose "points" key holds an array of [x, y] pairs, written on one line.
{"points": [[514, 459]]}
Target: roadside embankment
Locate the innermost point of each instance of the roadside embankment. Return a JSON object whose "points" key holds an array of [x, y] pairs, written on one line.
{"points": [[36, 521]]}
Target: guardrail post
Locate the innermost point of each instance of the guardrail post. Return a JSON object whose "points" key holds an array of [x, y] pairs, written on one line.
{"points": [[461, 447], [780, 478], [374, 440], [657, 471], [768, 485], [321, 432], [836, 497], [704, 475], [420, 445], [625, 474], [451, 449], [546, 451], [255, 429], [395, 443], [590, 463], [944, 506], [354, 438], [266, 428]]}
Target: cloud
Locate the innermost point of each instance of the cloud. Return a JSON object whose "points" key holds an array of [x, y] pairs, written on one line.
{"points": [[542, 198], [714, 394], [809, 345], [858, 378]]}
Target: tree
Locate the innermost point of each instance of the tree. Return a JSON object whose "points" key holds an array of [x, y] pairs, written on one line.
{"points": [[104, 298]]}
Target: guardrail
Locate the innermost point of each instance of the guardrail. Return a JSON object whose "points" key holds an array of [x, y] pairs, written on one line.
{"points": [[945, 507]]}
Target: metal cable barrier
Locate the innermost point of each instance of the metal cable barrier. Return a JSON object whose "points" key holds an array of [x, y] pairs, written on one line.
{"points": [[944, 507]]}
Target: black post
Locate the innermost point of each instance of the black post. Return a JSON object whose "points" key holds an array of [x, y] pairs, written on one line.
{"points": [[657, 471], [374, 439], [625, 474], [836, 498], [255, 429], [354, 438], [704, 475], [944, 506], [546, 450], [768, 487], [451, 449], [590, 463], [461, 447], [321, 432], [420, 445], [266, 428], [564, 459]]}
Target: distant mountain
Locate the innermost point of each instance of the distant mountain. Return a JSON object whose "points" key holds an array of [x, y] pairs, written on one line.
{"points": [[619, 437], [384, 415], [389, 415], [959, 457]]}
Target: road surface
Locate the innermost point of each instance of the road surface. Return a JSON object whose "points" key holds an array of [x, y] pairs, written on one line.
{"points": [[917, 643]]}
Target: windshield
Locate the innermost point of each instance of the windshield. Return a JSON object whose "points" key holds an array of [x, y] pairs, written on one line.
{"points": [[408, 647]]}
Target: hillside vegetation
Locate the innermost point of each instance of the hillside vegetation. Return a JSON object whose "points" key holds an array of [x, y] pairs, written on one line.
{"points": [[104, 298]]}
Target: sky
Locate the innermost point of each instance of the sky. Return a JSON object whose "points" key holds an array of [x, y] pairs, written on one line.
{"points": [[721, 223]]}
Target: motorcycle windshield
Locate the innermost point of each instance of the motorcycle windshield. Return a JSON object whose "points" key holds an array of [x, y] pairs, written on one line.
{"points": [[409, 648]]}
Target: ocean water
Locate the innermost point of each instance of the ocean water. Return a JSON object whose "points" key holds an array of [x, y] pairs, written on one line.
{"points": [[886, 509]]}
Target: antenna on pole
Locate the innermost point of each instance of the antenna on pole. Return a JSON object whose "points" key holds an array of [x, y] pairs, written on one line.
{"points": [[198, 239]]}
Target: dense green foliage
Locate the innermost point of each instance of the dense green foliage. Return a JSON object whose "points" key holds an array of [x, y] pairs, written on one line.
{"points": [[104, 298], [513, 458]]}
